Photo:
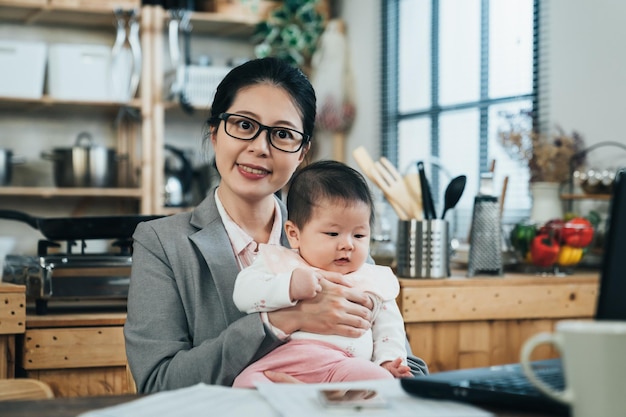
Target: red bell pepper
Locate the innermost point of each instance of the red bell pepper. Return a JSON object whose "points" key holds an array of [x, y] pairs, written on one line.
{"points": [[577, 232], [544, 250]]}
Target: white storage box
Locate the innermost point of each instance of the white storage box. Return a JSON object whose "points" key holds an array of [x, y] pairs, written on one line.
{"points": [[199, 83], [79, 72], [23, 67]]}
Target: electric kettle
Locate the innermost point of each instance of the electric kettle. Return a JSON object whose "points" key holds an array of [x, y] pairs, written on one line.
{"points": [[178, 178]]}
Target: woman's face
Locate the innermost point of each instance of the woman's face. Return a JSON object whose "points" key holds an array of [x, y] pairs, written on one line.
{"points": [[254, 169]]}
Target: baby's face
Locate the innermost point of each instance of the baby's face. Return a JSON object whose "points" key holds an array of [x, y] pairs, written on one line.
{"points": [[336, 238]]}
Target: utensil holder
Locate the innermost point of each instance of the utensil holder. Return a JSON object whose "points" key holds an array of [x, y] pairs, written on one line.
{"points": [[423, 249]]}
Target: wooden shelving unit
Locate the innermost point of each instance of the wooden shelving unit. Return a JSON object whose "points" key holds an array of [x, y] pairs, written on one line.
{"points": [[142, 135]]}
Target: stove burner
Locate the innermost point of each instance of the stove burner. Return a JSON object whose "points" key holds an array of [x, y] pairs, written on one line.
{"points": [[124, 247]]}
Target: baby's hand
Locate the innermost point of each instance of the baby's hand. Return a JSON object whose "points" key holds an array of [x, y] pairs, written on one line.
{"points": [[305, 284], [397, 369]]}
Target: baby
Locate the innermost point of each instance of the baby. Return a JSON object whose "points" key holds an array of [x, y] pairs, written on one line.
{"points": [[330, 215]]}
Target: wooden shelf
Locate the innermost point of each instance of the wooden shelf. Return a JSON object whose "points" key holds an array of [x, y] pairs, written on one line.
{"points": [[217, 24], [33, 12], [53, 192], [48, 104], [586, 197]]}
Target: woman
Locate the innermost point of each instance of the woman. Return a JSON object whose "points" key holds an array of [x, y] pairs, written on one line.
{"points": [[182, 326]]}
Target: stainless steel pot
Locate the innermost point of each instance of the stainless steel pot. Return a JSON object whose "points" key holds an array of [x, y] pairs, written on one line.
{"points": [[84, 165], [7, 160]]}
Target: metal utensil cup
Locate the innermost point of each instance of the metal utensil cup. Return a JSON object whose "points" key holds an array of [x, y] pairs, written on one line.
{"points": [[423, 249]]}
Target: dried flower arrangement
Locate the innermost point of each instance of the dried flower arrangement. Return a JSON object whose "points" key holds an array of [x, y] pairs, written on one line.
{"points": [[548, 156]]}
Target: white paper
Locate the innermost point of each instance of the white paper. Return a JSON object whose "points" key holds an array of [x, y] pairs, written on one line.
{"points": [[302, 400], [198, 400]]}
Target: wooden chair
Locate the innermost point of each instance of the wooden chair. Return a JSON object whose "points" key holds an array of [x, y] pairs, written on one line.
{"points": [[24, 389]]}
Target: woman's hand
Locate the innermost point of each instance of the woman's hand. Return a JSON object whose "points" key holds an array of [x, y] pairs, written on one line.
{"points": [[338, 309]]}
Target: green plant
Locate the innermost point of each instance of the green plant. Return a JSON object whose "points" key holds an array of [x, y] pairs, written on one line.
{"points": [[291, 32]]}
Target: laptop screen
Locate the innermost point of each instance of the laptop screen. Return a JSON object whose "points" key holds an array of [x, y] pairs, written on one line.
{"points": [[612, 289]]}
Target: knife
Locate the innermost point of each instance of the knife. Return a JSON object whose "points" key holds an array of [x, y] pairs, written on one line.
{"points": [[427, 198]]}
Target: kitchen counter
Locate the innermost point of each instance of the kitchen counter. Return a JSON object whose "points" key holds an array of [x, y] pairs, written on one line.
{"points": [[461, 322], [452, 323], [77, 353], [12, 323]]}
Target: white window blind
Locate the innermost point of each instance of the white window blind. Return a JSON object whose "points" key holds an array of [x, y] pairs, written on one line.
{"points": [[451, 69]]}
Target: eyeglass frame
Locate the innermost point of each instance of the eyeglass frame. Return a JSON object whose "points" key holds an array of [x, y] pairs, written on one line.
{"points": [[306, 138]]}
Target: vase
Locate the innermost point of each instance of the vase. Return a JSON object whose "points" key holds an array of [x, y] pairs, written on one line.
{"points": [[546, 202]]}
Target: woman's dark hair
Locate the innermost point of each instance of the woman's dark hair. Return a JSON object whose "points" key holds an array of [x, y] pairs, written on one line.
{"points": [[325, 180], [272, 71]]}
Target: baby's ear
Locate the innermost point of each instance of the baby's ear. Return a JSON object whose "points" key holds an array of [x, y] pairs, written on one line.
{"points": [[293, 234]]}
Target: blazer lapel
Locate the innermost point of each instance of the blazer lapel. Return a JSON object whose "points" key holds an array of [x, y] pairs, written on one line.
{"points": [[214, 245]]}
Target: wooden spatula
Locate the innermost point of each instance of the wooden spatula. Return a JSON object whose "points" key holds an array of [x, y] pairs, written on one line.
{"points": [[366, 163], [412, 182]]}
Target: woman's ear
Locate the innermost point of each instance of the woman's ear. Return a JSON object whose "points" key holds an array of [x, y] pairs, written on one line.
{"points": [[293, 234], [305, 151]]}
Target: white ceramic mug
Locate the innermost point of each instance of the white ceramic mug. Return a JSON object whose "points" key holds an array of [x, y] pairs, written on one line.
{"points": [[594, 362]]}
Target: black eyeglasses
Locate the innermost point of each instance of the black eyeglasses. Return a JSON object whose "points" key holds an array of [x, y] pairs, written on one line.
{"points": [[246, 128]]}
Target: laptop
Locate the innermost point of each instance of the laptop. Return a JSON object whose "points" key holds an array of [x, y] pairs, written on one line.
{"points": [[506, 386]]}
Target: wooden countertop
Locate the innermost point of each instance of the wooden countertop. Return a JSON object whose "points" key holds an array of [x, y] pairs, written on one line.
{"points": [[513, 296], [7, 288], [459, 279], [88, 319]]}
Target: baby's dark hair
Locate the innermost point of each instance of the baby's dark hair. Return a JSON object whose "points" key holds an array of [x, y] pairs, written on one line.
{"points": [[329, 180]]}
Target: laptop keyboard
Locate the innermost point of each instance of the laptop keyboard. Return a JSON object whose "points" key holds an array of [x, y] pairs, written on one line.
{"points": [[517, 383]]}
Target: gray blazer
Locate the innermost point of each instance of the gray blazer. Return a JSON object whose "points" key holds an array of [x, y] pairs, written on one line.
{"points": [[182, 326]]}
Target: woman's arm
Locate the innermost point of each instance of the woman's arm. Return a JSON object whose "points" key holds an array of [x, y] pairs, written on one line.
{"points": [[181, 329], [338, 309]]}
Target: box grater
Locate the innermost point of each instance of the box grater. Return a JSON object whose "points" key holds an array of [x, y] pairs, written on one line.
{"points": [[485, 253]]}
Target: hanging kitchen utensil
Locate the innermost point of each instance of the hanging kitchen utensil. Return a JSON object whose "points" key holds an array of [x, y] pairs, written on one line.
{"points": [[180, 21], [453, 193], [366, 163], [126, 63], [135, 48], [80, 228], [427, 198]]}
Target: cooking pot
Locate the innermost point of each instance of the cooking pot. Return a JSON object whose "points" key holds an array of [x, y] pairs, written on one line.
{"points": [[7, 160], [84, 165]]}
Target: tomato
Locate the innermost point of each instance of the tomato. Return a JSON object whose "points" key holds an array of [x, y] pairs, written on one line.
{"points": [[577, 232], [544, 250]]}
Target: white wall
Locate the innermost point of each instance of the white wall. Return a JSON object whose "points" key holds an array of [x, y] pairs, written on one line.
{"points": [[362, 19], [587, 69]]}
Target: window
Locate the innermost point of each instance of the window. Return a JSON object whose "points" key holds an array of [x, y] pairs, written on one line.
{"points": [[452, 71]]}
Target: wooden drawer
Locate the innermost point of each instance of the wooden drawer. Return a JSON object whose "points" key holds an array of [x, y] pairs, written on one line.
{"points": [[65, 348]]}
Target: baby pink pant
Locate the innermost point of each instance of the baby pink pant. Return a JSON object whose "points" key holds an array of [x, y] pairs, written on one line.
{"points": [[311, 361]]}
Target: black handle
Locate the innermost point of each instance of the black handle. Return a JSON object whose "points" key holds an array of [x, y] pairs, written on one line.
{"points": [[21, 216], [427, 199]]}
